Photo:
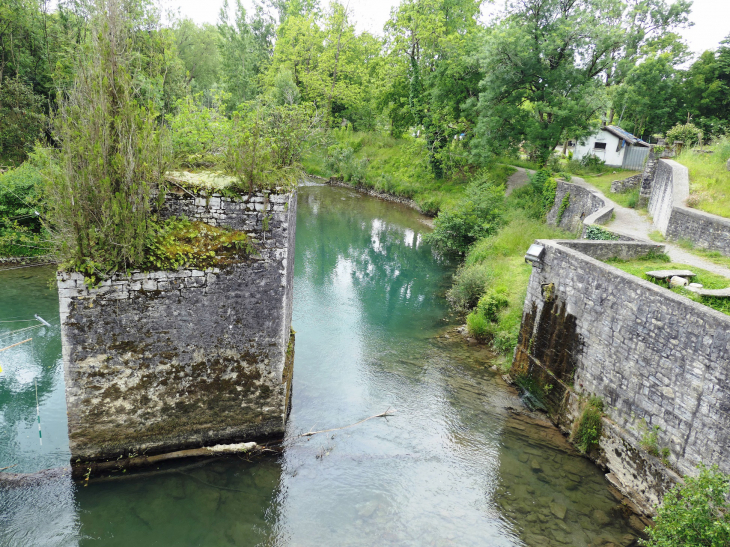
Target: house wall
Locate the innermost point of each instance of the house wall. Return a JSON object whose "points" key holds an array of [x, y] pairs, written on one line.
{"points": [[609, 156]]}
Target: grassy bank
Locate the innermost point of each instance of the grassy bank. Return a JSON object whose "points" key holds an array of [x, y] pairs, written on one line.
{"points": [[603, 183], [396, 166], [709, 178], [490, 287], [640, 266]]}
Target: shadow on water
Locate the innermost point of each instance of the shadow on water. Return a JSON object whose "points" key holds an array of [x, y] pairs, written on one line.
{"points": [[452, 466]]}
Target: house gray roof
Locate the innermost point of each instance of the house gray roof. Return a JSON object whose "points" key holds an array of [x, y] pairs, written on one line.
{"points": [[625, 135]]}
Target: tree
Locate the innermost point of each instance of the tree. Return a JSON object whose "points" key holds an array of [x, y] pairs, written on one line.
{"points": [[21, 119], [646, 26], [541, 65], [199, 50], [246, 48], [703, 91], [433, 71], [645, 101], [695, 513], [112, 150]]}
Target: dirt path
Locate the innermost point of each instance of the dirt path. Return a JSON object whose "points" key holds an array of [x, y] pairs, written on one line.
{"points": [[517, 179], [631, 223]]}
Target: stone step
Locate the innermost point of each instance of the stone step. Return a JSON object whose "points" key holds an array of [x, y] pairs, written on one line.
{"points": [[718, 293], [666, 274]]}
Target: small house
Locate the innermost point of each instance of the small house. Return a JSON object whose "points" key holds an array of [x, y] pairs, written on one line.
{"points": [[615, 147]]}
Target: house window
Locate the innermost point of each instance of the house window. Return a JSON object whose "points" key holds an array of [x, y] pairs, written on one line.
{"points": [[600, 145]]}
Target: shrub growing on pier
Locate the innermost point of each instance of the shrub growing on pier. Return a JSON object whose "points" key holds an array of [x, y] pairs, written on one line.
{"points": [[112, 150]]}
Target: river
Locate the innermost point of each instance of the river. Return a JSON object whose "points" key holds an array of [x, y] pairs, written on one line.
{"points": [[458, 462]]}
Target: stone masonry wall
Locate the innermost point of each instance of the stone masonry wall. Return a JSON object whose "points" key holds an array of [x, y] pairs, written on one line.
{"points": [[162, 361], [583, 203], [670, 190], [591, 329], [647, 178], [627, 184]]}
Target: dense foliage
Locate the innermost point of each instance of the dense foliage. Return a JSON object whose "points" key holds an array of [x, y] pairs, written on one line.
{"points": [[112, 152], [695, 513]]}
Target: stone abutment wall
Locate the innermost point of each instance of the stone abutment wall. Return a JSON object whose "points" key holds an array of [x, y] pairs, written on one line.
{"points": [[162, 361], [655, 359], [669, 192]]}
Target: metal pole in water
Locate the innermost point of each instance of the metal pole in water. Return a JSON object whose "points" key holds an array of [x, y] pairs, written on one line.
{"points": [[38, 412]]}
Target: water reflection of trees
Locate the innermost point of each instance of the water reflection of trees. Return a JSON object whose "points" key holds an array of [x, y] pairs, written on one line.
{"points": [[394, 273]]}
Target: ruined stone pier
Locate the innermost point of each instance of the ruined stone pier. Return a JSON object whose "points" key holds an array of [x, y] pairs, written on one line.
{"points": [[169, 360]]}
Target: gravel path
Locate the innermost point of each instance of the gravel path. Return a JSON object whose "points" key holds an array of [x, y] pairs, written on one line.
{"points": [[517, 179]]}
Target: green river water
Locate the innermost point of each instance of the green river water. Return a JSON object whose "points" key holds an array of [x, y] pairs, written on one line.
{"points": [[457, 464]]}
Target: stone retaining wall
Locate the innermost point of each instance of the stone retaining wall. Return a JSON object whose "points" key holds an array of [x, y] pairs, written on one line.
{"points": [[627, 184], [585, 207], [675, 221], [591, 329], [162, 361]]}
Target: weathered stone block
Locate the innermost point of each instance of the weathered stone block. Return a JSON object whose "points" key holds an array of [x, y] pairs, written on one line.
{"points": [[151, 366]]}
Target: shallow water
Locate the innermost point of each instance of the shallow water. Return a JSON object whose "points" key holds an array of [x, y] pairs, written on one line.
{"points": [[454, 465]]}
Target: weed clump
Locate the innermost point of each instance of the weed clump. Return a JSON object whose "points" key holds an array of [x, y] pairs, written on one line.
{"points": [[588, 428], [180, 243]]}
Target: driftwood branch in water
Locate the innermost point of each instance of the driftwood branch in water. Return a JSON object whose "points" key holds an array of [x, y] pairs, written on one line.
{"points": [[381, 415], [85, 470], [8, 467]]}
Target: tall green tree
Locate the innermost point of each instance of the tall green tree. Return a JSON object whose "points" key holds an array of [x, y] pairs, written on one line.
{"points": [[542, 65], [199, 49], [433, 70], [246, 48]]}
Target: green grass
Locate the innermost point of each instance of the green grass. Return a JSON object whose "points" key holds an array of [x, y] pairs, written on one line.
{"points": [[603, 183], [709, 280], [396, 166], [709, 178], [497, 263]]}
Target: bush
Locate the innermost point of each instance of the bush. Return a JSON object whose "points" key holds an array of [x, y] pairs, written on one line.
{"points": [[587, 431], [596, 233], [590, 161], [476, 216], [478, 325], [470, 282], [113, 150], [493, 301], [694, 513], [21, 231], [688, 133]]}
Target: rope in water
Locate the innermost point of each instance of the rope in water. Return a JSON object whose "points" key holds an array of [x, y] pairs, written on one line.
{"points": [[38, 412], [20, 330]]}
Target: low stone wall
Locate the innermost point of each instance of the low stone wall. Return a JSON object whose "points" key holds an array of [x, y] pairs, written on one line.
{"points": [[649, 354], [162, 361], [675, 221], [584, 208], [604, 250], [627, 184]]}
